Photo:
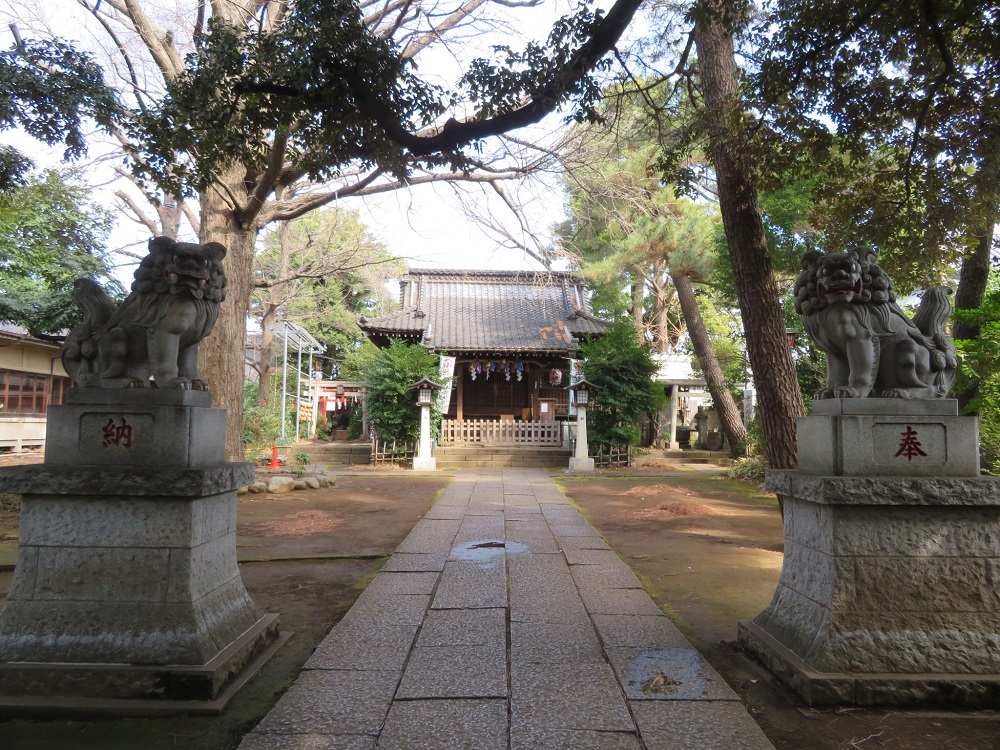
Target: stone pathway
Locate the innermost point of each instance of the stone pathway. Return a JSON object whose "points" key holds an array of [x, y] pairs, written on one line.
{"points": [[504, 622]]}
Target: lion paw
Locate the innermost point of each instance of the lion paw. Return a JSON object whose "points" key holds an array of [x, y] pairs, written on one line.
{"points": [[846, 392], [894, 393], [180, 383], [199, 385]]}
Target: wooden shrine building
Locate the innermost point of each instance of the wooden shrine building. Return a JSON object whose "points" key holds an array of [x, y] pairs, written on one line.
{"points": [[506, 340]]}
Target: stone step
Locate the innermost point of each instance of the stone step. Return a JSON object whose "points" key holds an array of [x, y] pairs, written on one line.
{"points": [[500, 450], [342, 453]]}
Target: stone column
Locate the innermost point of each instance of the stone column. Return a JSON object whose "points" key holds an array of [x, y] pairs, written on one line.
{"points": [[887, 595], [126, 595], [671, 441], [424, 461], [581, 461]]}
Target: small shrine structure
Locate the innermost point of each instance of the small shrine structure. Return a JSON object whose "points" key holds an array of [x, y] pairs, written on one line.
{"points": [[508, 341]]}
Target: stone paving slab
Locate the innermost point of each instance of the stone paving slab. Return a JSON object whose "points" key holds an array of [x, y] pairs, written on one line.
{"points": [[416, 562], [385, 647], [639, 631], [446, 725], [605, 576], [618, 602], [255, 741], [322, 702], [466, 584], [668, 674], [455, 672], [505, 622], [464, 627], [697, 725], [564, 696], [524, 737]]}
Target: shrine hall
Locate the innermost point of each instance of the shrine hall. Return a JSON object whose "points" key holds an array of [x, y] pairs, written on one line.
{"points": [[508, 342]]}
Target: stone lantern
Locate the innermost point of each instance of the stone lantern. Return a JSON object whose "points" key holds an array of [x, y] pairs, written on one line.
{"points": [[425, 389], [584, 392]]}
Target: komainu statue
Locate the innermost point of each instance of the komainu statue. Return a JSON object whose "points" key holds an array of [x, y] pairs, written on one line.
{"points": [[174, 304], [873, 350]]}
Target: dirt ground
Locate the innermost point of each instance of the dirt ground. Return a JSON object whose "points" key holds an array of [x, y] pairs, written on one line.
{"points": [[306, 555], [709, 552]]}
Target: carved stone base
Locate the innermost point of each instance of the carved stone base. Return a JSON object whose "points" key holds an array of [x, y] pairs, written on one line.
{"points": [[860, 689], [581, 464], [885, 582], [888, 437], [127, 586], [53, 685], [425, 463]]}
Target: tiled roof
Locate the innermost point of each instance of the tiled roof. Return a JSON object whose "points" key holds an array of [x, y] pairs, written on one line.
{"points": [[491, 311]]}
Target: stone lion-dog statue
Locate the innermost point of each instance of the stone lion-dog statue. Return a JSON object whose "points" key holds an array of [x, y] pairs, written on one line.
{"points": [[873, 350], [155, 332]]}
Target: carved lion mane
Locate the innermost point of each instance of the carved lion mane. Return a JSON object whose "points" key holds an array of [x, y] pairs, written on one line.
{"points": [[155, 332], [849, 310]]}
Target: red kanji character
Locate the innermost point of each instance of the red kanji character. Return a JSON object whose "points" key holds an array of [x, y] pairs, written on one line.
{"points": [[117, 434], [910, 446]]}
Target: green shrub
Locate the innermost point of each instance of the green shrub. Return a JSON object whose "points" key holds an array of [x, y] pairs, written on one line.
{"points": [[623, 370], [392, 407], [355, 423], [748, 469], [261, 422]]}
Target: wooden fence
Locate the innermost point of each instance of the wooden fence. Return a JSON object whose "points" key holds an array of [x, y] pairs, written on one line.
{"points": [[500, 432], [617, 456], [392, 451]]}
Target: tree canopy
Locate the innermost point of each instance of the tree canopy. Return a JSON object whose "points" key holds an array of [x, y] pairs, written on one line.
{"points": [[897, 104], [48, 89]]}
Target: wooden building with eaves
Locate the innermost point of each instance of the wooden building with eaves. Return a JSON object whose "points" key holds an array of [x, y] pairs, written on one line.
{"points": [[508, 338]]}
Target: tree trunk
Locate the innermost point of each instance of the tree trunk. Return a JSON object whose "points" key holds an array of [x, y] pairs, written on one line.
{"points": [[661, 334], [275, 298], [970, 294], [637, 287], [223, 353], [729, 415], [267, 322], [774, 372]]}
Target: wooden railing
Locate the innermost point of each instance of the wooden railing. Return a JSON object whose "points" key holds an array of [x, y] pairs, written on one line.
{"points": [[500, 432], [616, 456], [392, 452]]}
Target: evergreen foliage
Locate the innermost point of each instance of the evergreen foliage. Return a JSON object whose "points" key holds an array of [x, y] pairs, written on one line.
{"points": [[261, 422], [47, 88], [623, 370], [50, 235], [980, 363], [335, 272], [393, 413]]}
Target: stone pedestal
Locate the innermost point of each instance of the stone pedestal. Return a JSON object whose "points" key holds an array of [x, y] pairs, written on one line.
{"points": [[580, 460], [126, 595], [887, 595], [424, 461]]}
